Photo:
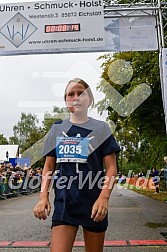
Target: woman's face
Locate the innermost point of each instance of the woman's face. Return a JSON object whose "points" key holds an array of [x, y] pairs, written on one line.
{"points": [[77, 98]]}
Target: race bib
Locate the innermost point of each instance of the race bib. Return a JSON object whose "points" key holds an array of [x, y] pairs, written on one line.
{"points": [[72, 149]]}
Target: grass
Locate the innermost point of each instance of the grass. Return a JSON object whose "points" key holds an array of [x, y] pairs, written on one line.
{"points": [[155, 225], [162, 196]]}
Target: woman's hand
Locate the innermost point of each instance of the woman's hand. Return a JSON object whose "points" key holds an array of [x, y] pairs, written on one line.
{"points": [[42, 209], [100, 209]]}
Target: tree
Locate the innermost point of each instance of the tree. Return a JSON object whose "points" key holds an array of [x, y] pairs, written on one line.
{"points": [[55, 115], [3, 140], [36, 138], [24, 129], [147, 122]]}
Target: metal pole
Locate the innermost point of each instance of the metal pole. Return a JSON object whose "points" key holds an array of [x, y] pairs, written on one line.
{"points": [[161, 23], [161, 47]]}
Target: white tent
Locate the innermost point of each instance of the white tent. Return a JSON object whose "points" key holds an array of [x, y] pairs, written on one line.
{"points": [[12, 151]]}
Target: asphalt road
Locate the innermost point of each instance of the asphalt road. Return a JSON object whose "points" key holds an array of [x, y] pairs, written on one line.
{"points": [[129, 212]]}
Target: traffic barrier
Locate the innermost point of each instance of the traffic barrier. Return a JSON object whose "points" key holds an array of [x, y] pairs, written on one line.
{"points": [[13, 186], [141, 183]]}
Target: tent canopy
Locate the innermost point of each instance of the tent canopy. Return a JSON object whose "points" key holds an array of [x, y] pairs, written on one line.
{"points": [[12, 151]]}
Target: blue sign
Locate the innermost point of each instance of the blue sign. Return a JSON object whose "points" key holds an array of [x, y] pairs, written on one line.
{"points": [[19, 161]]}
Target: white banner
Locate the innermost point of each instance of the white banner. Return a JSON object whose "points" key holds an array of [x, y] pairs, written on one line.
{"points": [[72, 26], [164, 82], [133, 33], [51, 25]]}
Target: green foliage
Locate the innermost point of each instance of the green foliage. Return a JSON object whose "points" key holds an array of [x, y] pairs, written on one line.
{"points": [[30, 136], [137, 168], [3, 140], [141, 134], [55, 115], [24, 129]]}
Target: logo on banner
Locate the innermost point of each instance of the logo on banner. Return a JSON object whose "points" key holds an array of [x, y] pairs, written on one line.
{"points": [[18, 29]]}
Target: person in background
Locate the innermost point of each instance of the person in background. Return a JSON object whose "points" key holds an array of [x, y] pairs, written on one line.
{"points": [[2, 178], [155, 178]]}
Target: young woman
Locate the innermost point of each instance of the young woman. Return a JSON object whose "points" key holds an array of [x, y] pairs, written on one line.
{"points": [[83, 151]]}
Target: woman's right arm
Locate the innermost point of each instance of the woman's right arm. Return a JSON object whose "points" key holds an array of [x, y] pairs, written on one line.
{"points": [[43, 207]]}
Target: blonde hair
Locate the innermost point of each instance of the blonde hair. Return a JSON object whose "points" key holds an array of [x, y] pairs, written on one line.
{"points": [[165, 158], [78, 80]]}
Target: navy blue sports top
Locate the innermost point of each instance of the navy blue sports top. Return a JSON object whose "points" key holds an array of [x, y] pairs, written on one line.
{"points": [[79, 150]]}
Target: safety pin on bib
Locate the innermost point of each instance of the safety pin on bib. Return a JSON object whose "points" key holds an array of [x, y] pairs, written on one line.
{"points": [[64, 134], [77, 168]]}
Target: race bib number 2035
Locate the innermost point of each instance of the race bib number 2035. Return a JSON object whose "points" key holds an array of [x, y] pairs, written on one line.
{"points": [[72, 149]]}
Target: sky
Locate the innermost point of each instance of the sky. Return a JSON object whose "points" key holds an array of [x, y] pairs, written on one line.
{"points": [[36, 83]]}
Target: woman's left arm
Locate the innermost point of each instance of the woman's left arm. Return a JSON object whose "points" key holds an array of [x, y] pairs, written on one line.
{"points": [[100, 207]]}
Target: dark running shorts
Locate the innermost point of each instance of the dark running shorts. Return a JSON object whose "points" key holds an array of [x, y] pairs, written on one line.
{"points": [[90, 229]]}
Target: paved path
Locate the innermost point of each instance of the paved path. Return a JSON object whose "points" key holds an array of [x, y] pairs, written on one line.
{"points": [[129, 213]]}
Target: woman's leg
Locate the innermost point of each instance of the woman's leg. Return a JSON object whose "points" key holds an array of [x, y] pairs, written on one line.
{"points": [[62, 238], [93, 241]]}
